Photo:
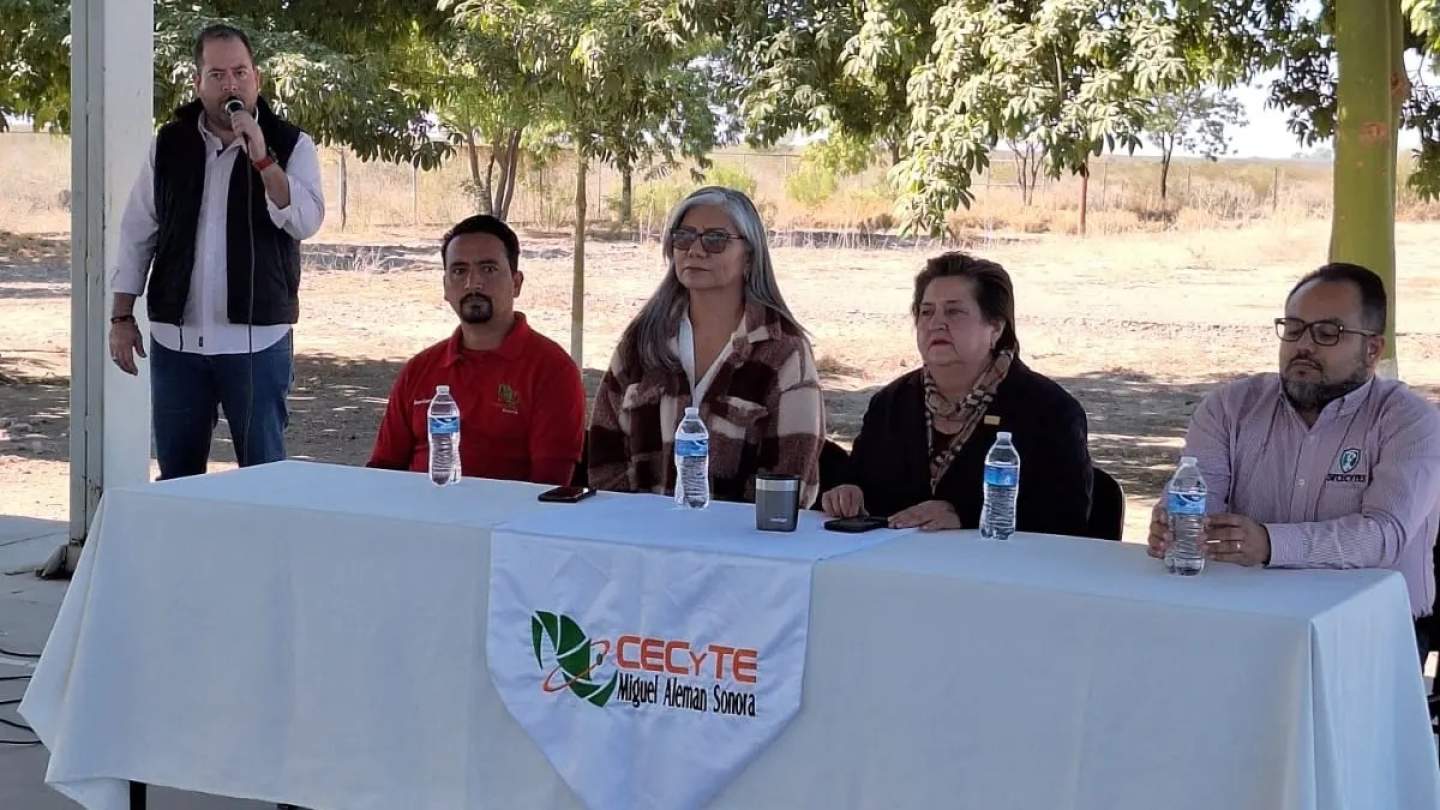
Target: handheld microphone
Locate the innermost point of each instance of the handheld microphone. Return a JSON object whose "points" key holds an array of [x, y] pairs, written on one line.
{"points": [[233, 105]]}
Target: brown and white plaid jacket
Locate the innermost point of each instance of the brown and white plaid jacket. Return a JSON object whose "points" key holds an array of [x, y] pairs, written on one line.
{"points": [[763, 409]]}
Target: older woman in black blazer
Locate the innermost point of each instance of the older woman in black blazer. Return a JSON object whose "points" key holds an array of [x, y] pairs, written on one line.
{"points": [[920, 455]]}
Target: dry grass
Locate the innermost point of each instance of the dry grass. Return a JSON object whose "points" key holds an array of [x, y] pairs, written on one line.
{"points": [[36, 173], [1123, 195]]}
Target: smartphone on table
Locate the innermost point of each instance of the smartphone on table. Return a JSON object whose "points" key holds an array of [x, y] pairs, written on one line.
{"points": [[566, 494], [857, 524]]}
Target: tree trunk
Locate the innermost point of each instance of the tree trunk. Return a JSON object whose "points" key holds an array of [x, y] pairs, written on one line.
{"points": [[511, 168], [577, 294], [627, 195], [1037, 157], [1022, 170], [1164, 173], [482, 194], [1084, 196], [344, 191], [894, 152], [490, 202], [1372, 86]]}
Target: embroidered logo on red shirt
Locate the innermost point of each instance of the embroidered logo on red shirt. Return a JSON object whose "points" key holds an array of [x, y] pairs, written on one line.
{"points": [[509, 400]]}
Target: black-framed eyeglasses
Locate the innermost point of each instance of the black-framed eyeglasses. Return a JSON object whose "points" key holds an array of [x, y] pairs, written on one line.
{"points": [[713, 240], [1323, 333]]}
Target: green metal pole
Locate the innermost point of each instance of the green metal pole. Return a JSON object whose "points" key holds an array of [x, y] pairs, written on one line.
{"points": [[1368, 40]]}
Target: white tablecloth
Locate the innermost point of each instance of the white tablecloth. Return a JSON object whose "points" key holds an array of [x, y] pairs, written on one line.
{"points": [[315, 634]]}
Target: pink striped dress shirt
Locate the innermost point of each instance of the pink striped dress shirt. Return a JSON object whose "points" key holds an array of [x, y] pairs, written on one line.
{"points": [[1359, 489]]}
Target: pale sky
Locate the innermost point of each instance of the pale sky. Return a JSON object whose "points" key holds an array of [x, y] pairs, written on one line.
{"points": [[1265, 135]]}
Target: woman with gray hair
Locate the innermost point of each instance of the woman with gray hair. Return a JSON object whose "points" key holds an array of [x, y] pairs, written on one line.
{"points": [[717, 335]]}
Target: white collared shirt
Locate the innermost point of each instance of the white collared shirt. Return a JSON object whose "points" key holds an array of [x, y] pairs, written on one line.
{"points": [[685, 347], [207, 328]]}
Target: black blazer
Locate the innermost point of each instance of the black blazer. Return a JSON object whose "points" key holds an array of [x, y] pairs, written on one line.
{"points": [[890, 462]]}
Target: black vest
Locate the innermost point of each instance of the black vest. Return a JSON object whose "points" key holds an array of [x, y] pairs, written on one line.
{"points": [[179, 189]]}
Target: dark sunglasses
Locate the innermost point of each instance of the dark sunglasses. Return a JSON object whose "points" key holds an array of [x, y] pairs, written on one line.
{"points": [[1323, 333], [714, 240]]}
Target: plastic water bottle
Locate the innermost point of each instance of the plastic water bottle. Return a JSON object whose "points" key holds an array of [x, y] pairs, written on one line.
{"points": [[692, 462], [444, 419], [1002, 487], [1186, 505]]}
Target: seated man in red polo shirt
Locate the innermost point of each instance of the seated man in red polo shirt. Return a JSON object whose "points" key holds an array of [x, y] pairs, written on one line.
{"points": [[522, 407]]}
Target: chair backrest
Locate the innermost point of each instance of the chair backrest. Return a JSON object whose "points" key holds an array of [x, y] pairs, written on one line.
{"points": [[833, 461], [1427, 631], [1107, 507], [581, 476], [1435, 563]]}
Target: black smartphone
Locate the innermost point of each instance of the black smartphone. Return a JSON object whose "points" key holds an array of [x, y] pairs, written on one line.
{"points": [[857, 524], [566, 494]]}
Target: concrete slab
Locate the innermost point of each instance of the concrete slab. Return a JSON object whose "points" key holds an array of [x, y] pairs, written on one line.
{"points": [[24, 528], [28, 606]]}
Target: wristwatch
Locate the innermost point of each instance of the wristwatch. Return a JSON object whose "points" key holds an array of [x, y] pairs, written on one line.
{"points": [[122, 318]]}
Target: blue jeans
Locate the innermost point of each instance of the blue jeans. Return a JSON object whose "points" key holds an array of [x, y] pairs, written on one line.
{"points": [[187, 390]]}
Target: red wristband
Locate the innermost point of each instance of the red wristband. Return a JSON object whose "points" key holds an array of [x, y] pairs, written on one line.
{"points": [[263, 163]]}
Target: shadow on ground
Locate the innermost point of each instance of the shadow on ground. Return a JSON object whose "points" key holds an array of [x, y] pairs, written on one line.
{"points": [[1137, 423], [335, 410], [31, 258]]}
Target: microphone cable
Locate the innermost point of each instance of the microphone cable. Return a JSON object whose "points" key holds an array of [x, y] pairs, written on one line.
{"points": [[234, 105], [13, 724]]}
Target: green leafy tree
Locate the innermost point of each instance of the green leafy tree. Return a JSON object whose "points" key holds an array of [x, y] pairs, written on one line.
{"points": [[35, 62], [488, 99], [823, 66], [1073, 76], [625, 80], [335, 69], [675, 114], [1195, 120]]}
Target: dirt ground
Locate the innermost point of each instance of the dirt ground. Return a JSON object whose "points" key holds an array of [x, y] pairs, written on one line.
{"points": [[1137, 327]]}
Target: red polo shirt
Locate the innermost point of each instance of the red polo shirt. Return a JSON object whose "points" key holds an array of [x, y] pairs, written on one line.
{"points": [[522, 409]]}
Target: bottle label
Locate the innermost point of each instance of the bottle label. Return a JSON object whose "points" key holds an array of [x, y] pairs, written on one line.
{"points": [[444, 425], [998, 476], [692, 447], [1186, 504]]}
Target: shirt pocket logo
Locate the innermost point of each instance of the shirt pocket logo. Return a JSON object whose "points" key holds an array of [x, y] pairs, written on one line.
{"points": [[1346, 464], [508, 400], [1349, 460]]}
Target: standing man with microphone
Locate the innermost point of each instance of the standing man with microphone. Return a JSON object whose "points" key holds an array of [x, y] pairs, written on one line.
{"points": [[215, 220]]}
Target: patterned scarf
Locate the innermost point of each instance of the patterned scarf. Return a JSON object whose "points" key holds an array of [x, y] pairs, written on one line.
{"points": [[967, 413]]}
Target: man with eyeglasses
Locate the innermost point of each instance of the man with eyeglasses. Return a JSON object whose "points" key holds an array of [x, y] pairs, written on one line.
{"points": [[522, 405], [1323, 465]]}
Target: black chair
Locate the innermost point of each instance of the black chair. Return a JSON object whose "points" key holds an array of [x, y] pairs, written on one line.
{"points": [[1427, 637], [833, 461], [1107, 508], [581, 476]]}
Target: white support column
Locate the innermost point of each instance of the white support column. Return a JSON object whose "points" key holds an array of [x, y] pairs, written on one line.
{"points": [[112, 88]]}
